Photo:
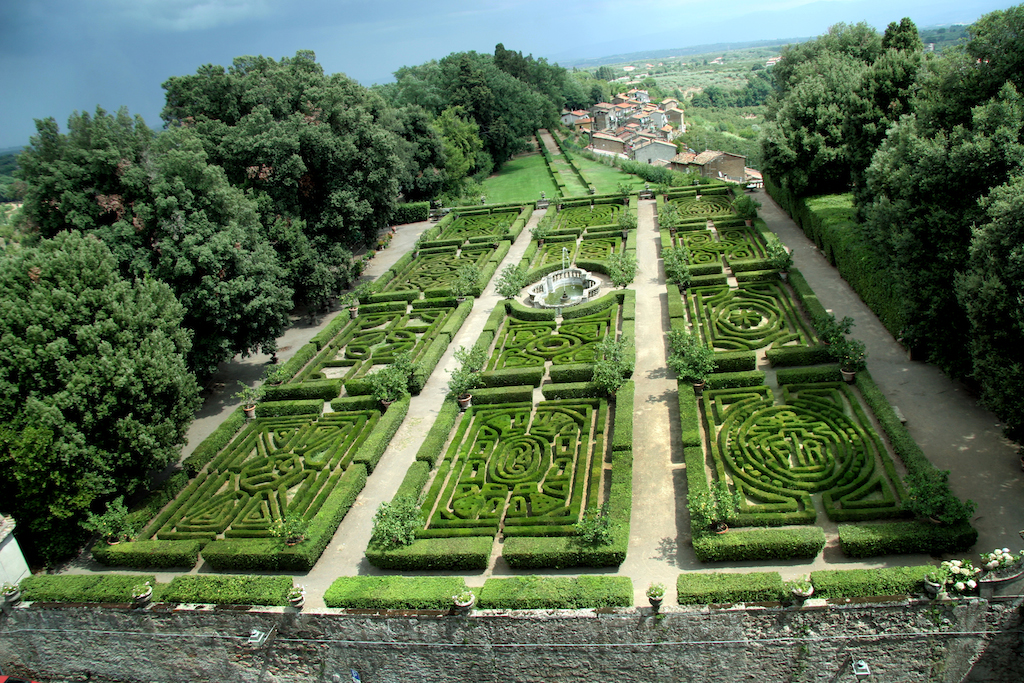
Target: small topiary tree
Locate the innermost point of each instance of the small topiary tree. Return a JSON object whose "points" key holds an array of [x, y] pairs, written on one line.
{"points": [[395, 523], [745, 207], [113, 524], [690, 359], [467, 280], [830, 330], [595, 528], [511, 281], [622, 268], [613, 366], [677, 265]]}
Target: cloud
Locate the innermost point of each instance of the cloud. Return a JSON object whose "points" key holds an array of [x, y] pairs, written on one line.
{"points": [[191, 15]]}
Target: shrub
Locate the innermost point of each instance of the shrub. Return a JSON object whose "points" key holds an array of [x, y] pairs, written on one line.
{"points": [[214, 443], [688, 357], [148, 554], [760, 544], [413, 212], [393, 592], [112, 524], [855, 583], [614, 365], [81, 587], [677, 265], [929, 495], [905, 537], [395, 523], [510, 282], [453, 554], [556, 592], [228, 590], [279, 408], [706, 589], [595, 528], [622, 268]]}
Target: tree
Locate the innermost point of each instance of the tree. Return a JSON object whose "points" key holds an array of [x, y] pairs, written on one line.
{"points": [[989, 291], [164, 212], [622, 268], [94, 390], [395, 523], [462, 145], [613, 365], [510, 282]]}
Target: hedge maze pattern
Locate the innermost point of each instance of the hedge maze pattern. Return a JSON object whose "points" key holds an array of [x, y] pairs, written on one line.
{"points": [[374, 339], [753, 316], [817, 441], [519, 470], [531, 343], [276, 467], [736, 244], [438, 270], [582, 217], [706, 206], [496, 224]]}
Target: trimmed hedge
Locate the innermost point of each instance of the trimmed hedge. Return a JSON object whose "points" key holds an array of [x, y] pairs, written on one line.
{"points": [[360, 402], [799, 355], [689, 415], [324, 336], [82, 587], [735, 361], [579, 372], [514, 394], [152, 554], [622, 433], [279, 408], [730, 380], [325, 389], [214, 443], [760, 544], [432, 446], [553, 392], [893, 538], [856, 583], [370, 453], [514, 377], [210, 589], [718, 587], [415, 479], [829, 373], [413, 212], [394, 592], [556, 592], [464, 553]]}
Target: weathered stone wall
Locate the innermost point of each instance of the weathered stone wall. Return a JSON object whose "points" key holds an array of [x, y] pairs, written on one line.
{"points": [[907, 641]]}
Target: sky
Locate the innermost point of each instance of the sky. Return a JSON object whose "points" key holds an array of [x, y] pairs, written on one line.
{"points": [[61, 56]]}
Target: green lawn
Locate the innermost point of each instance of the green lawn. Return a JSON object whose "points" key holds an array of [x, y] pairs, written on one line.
{"points": [[605, 178], [520, 180]]}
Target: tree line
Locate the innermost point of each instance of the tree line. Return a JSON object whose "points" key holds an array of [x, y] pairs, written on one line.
{"points": [[149, 257], [932, 149]]}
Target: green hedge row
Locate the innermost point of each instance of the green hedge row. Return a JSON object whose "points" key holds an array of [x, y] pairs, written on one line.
{"points": [[855, 583], [430, 449], [788, 356], [718, 587], [759, 544], [370, 453], [325, 389], [324, 336], [731, 380], [622, 434], [148, 554], [556, 592], [893, 538], [514, 394], [394, 592], [579, 372], [553, 392], [360, 402], [415, 479], [735, 361], [279, 408], [515, 376], [210, 589], [82, 587], [463, 553], [413, 212], [829, 373], [214, 443], [689, 415]]}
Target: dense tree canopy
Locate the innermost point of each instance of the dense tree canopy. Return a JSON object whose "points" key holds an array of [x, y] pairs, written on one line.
{"points": [[94, 390], [164, 212]]}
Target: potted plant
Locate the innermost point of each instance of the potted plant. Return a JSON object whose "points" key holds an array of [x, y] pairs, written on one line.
{"points": [[691, 360], [540, 232], [112, 524], [830, 330], [142, 593], [852, 356], [668, 217], [1001, 563], [291, 529], [466, 377], [464, 601], [627, 221], [511, 280], [711, 508], [297, 596], [746, 208], [276, 376], [656, 594], [11, 593], [467, 281], [800, 588], [249, 396], [961, 575], [934, 582], [389, 383], [929, 497]]}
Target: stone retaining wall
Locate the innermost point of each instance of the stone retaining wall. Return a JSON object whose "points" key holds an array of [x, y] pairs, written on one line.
{"points": [[906, 641]]}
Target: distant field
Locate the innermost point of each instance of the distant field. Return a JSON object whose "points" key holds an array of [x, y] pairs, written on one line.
{"points": [[520, 180], [605, 178]]}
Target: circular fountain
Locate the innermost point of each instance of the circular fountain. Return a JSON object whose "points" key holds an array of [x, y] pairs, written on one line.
{"points": [[566, 287]]}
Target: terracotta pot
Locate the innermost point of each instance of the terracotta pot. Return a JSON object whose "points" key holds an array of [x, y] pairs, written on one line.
{"points": [[250, 412], [656, 603], [698, 388], [848, 376], [465, 401]]}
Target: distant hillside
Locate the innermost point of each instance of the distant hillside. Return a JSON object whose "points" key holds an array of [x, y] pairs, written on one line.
{"points": [[680, 52]]}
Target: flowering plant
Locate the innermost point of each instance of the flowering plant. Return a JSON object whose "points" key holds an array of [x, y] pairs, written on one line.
{"points": [[959, 575], [1001, 559], [296, 592], [141, 589], [464, 598], [9, 588]]}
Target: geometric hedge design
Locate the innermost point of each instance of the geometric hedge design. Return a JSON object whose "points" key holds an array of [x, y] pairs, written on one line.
{"points": [[736, 244], [276, 467], [438, 270], [532, 343], [753, 316], [519, 470], [691, 207], [479, 225], [815, 442], [374, 339], [598, 248], [579, 217], [551, 252]]}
